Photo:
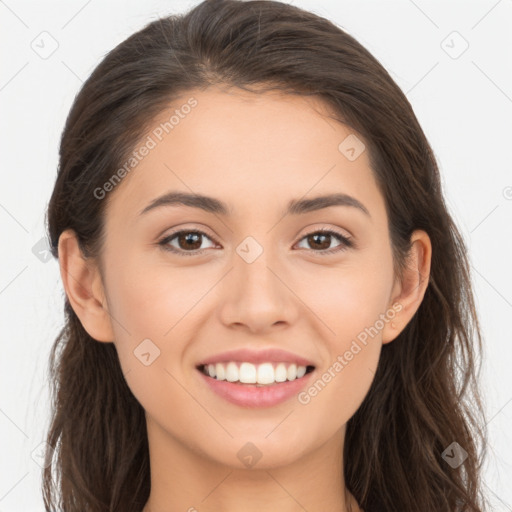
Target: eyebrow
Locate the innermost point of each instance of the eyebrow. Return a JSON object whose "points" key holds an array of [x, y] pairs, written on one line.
{"points": [[213, 205]]}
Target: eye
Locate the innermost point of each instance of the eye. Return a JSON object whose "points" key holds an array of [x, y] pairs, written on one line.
{"points": [[322, 240], [189, 242], [186, 239]]}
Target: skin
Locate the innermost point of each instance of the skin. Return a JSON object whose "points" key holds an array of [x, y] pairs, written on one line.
{"points": [[255, 152]]}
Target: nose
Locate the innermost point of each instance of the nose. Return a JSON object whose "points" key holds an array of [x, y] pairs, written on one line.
{"points": [[256, 295]]}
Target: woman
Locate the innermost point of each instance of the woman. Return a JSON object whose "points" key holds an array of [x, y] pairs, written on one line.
{"points": [[268, 305]]}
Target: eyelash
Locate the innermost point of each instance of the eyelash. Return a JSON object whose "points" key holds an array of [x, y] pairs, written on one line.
{"points": [[345, 242]]}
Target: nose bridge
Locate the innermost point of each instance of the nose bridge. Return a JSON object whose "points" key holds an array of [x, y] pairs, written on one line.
{"points": [[252, 263]]}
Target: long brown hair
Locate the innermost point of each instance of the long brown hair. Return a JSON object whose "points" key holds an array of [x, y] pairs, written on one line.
{"points": [[424, 396]]}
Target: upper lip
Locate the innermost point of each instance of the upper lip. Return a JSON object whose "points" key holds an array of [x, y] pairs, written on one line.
{"points": [[271, 355]]}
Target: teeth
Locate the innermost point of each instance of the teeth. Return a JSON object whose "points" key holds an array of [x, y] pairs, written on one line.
{"points": [[261, 374]]}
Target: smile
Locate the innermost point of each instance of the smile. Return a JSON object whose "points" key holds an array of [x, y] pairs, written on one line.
{"points": [[249, 385]]}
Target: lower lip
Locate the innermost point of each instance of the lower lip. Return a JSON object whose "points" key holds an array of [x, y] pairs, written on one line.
{"points": [[249, 395]]}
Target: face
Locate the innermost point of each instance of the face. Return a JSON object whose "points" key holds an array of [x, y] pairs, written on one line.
{"points": [[184, 284]]}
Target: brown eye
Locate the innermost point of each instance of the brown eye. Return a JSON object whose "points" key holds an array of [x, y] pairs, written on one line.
{"points": [[320, 241], [188, 242]]}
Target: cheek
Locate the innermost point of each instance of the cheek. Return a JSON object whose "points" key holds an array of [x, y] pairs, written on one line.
{"points": [[151, 301], [151, 308], [350, 311], [155, 309], [347, 300], [348, 308]]}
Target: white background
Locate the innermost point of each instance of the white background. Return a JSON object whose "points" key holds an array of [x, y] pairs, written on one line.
{"points": [[464, 105]]}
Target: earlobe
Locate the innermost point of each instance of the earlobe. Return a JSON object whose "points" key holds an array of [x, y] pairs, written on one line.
{"points": [[84, 288], [409, 291]]}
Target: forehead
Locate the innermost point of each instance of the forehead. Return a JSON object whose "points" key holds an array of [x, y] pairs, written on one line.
{"points": [[242, 147]]}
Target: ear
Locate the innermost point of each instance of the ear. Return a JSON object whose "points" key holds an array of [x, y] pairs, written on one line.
{"points": [[408, 292], [84, 288]]}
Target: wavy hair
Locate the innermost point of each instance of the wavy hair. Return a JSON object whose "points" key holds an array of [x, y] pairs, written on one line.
{"points": [[425, 392]]}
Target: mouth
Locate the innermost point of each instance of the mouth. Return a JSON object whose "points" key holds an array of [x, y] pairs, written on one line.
{"points": [[255, 375], [249, 385]]}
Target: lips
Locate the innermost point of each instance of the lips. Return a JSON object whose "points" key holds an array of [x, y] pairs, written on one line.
{"points": [[270, 355], [256, 396]]}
